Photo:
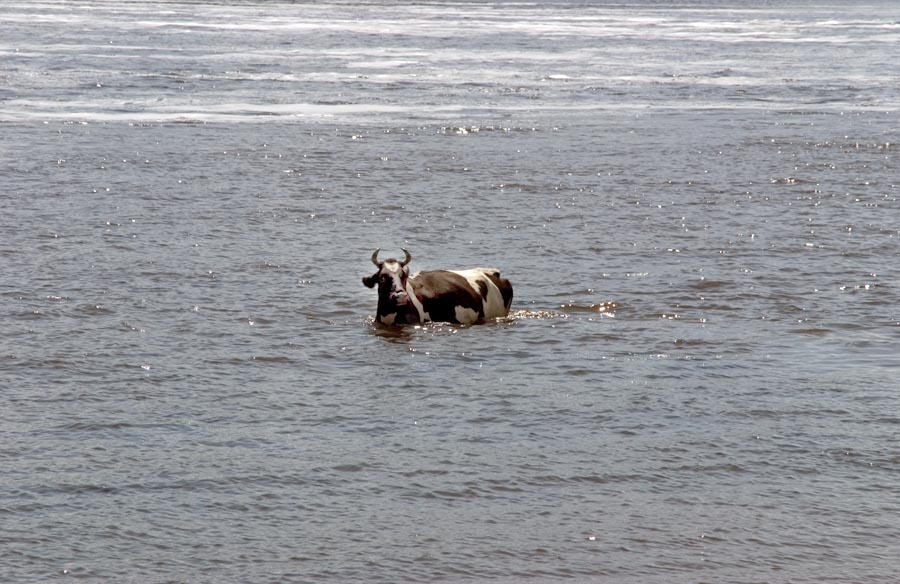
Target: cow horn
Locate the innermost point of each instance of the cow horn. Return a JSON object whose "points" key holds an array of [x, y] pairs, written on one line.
{"points": [[375, 258], [408, 257]]}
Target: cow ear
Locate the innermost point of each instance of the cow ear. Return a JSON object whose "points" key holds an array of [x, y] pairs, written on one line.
{"points": [[369, 281]]}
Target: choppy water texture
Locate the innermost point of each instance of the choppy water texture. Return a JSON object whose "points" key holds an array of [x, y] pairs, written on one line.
{"points": [[697, 206]]}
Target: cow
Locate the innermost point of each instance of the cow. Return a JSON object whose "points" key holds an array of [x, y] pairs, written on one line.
{"points": [[455, 296]]}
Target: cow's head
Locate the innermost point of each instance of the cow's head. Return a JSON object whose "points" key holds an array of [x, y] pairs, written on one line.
{"points": [[391, 279]]}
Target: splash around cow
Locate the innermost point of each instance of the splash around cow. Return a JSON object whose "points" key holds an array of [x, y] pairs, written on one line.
{"points": [[469, 296]]}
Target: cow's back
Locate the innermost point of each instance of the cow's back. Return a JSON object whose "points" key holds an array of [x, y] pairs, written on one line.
{"points": [[503, 286], [495, 292], [464, 296]]}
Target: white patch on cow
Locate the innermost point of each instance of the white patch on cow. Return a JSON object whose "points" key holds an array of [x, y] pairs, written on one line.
{"points": [[388, 319], [395, 270], [493, 304], [423, 316], [465, 315]]}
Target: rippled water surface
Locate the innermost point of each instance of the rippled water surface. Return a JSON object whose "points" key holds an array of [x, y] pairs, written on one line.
{"points": [[697, 206]]}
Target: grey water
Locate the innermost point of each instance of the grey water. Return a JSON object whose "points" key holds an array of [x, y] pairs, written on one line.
{"points": [[695, 202]]}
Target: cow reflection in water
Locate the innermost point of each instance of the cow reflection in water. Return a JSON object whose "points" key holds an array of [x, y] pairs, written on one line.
{"points": [[456, 296]]}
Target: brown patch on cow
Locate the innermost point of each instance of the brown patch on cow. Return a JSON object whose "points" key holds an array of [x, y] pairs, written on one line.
{"points": [[483, 288], [441, 291]]}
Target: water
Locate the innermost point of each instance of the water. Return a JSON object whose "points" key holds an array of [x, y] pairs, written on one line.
{"points": [[697, 206]]}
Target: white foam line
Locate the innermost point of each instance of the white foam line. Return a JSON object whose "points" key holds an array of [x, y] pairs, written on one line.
{"points": [[363, 114]]}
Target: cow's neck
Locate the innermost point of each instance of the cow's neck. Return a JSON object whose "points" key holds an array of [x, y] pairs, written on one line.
{"points": [[410, 313], [392, 314], [416, 303]]}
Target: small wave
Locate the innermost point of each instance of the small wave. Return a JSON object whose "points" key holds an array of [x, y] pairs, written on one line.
{"points": [[517, 186], [812, 331], [97, 426], [604, 308], [692, 343], [709, 284], [790, 180], [255, 320], [465, 130], [83, 426], [93, 310], [351, 467], [404, 333], [276, 359], [534, 315], [466, 493]]}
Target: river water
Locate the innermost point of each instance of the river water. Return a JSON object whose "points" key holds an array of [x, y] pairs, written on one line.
{"points": [[697, 207]]}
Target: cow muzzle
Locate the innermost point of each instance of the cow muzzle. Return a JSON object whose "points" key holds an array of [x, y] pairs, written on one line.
{"points": [[400, 298]]}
